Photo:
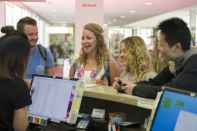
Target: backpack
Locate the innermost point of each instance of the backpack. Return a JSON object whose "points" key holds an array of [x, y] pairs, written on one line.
{"points": [[43, 52]]}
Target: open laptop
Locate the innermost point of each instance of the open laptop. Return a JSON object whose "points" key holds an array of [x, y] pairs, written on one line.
{"points": [[51, 97], [176, 111]]}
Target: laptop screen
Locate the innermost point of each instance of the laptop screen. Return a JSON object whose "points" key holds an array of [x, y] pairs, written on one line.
{"points": [[51, 97], [176, 111]]}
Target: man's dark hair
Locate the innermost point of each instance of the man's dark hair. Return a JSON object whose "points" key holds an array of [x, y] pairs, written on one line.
{"points": [[176, 30], [14, 52], [25, 21]]}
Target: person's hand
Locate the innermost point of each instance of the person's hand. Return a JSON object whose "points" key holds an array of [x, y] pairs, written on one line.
{"points": [[127, 86], [116, 84], [28, 82], [123, 86]]}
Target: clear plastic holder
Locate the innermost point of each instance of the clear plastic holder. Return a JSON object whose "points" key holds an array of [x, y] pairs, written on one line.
{"points": [[73, 115]]}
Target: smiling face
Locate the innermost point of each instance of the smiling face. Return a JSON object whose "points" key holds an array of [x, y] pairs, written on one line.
{"points": [[88, 41], [31, 32], [166, 50]]}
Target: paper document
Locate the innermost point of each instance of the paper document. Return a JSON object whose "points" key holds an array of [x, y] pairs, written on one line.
{"points": [[186, 121]]}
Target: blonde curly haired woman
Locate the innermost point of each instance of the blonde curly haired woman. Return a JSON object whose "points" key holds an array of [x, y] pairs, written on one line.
{"points": [[136, 61], [95, 62]]}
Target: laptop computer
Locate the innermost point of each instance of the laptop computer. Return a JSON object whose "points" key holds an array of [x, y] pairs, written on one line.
{"points": [[176, 110], [51, 98]]}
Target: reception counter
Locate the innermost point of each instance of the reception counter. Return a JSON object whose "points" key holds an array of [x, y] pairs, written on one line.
{"points": [[110, 94]]}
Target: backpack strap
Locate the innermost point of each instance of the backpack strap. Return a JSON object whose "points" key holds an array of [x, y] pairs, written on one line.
{"points": [[43, 52], [107, 72]]}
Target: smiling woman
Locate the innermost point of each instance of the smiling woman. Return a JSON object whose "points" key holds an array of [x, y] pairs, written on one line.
{"points": [[136, 62], [95, 62]]}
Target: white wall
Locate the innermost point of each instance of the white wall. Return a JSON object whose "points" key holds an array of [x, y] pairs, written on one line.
{"points": [[86, 11], [154, 21], [15, 11], [189, 15], [2, 15]]}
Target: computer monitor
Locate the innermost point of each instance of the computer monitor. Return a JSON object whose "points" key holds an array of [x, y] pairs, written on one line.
{"points": [[51, 97], [176, 111]]}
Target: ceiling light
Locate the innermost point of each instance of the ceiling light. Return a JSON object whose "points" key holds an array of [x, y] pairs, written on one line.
{"points": [[48, 2], [132, 11], [122, 16], [54, 10], [105, 25], [148, 3]]}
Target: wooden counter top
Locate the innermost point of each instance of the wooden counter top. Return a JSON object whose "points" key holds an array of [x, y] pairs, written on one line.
{"points": [[110, 94]]}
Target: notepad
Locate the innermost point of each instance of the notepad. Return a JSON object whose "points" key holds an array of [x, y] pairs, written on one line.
{"points": [[186, 121]]}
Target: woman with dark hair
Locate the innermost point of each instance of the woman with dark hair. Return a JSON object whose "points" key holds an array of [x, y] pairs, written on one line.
{"points": [[7, 29], [14, 93]]}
